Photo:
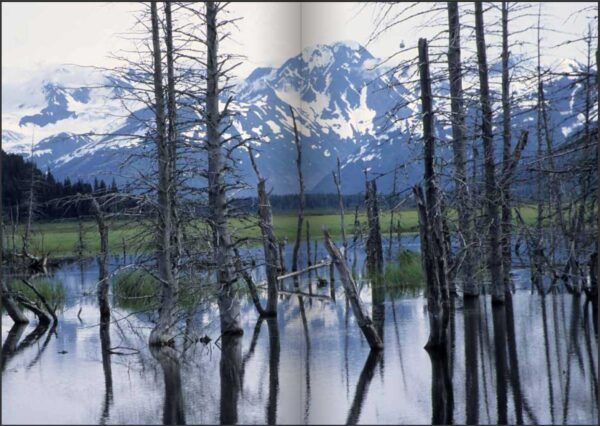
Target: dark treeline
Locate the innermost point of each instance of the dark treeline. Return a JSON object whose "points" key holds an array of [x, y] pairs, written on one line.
{"points": [[20, 176]]}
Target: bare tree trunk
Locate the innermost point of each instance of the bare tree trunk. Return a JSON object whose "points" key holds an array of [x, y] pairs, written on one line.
{"points": [[11, 306], [374, 247], [172, 139], [162, 333], [494, 252], [30, 196], [537, 260], [362, 318], [229, 305], [470, 286], [431, 228], [269, 242], [506, 224], [300, 194], [338, 185], [103, 283], [392, 208]]}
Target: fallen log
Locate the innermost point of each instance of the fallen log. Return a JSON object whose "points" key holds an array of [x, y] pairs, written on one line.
{"points": [[362, 318], [310, 268]]}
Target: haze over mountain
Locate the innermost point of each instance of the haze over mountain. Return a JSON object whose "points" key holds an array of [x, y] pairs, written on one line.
{"points": [[347, 106]]}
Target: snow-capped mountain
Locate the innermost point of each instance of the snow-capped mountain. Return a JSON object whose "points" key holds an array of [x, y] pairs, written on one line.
{"points": [[346, 107]]}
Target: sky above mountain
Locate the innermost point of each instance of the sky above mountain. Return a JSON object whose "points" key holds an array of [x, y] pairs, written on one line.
{"points": [[36, 35]]}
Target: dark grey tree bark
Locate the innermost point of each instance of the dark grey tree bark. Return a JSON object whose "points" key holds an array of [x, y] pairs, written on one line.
{"points": [[506, 224], [433, 252], [300, 194], [229, 305], [172, 139], [494, 258], [230, 368], [374, 245], [103, 283], [162, 333], [465, 223]]}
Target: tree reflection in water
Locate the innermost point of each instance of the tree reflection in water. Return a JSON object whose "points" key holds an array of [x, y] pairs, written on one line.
{"points": [[168, 358], [230, 368]]}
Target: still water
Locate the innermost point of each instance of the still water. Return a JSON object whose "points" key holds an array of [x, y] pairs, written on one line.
{"points": [[310, 365]]}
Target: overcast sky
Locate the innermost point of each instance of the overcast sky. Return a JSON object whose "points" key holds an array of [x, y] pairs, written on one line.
{"points": [[37, 35]]}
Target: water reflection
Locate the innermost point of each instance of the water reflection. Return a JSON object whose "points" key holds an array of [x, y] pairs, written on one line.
{"points": [[471, 330], [499, 322], [230, 368], [173, 407], [274, 353], [311, 365], [362, 387], [107, 369]]}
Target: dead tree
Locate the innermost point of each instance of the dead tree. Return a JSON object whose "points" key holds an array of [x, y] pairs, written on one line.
{"points": [[392, 209], [374, 247], [433, 253], [494, 258], [162, 332], [362, 318], [506, 223], [30, 209], [465, 224], [337, 180], [265, 215], [229, 305], [300, 194], [11, 306], [103, 282]]}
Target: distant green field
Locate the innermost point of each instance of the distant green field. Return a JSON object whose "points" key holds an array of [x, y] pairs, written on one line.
{"points": [[60, 238]]}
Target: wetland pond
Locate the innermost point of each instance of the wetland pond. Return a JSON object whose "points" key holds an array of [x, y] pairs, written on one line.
{"points": [[309, 365]]}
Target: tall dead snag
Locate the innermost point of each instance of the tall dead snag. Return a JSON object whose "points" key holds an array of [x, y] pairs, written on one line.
{"points": [[30, 202], [374, 248], [362, 318], [433, 253], [536, 276], [162, 332], [465, 225], [300, 194], [103, 283], [506, 223], [172, 138], [491, 194], [229, 305], [265, 215], [337, 180], [392, 209]]}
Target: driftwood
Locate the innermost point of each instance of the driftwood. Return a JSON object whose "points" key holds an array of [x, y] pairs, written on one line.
{"points": [[362, 318], [303, 271], [303, 294], [11, 306]]}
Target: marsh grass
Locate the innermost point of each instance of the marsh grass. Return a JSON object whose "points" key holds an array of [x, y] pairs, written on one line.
{"points": [[53, 291], [405, 275], [141, 290]]}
